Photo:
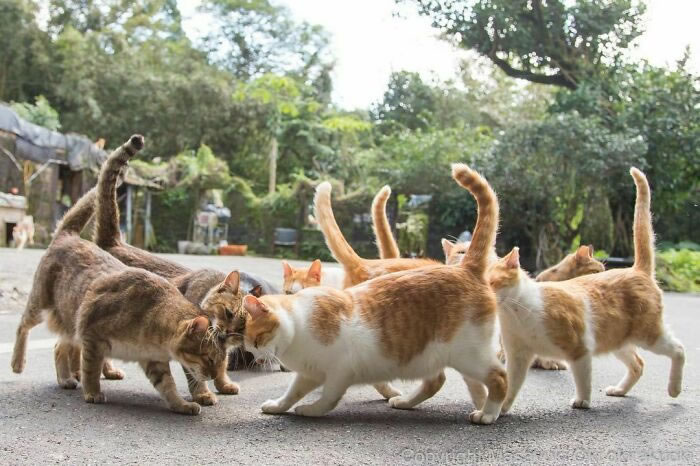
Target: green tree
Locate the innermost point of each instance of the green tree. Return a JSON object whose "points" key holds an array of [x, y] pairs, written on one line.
{"points": [[547, 42], [40, 113]]}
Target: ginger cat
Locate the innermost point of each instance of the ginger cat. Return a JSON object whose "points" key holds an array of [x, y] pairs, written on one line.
{"points": [[298, 278], [220, 296], [409, 324], [101, 308], [608, 312]]}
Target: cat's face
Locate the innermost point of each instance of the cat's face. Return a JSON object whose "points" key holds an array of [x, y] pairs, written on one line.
{"points": [[224, 305], [198, 349], [573, 265], [262, 335], [454, 251], [296, 279], [505, 272]]}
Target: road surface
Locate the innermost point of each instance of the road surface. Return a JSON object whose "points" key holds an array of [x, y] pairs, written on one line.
{"points": [[41, 423]]}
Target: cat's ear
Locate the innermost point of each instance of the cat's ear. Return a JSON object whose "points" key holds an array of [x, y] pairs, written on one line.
{"points": [[232, 281], [257, 291], [287, 269], [590, 251], [315, 270], [583, 253], [254, 306], [198, 325], [447, 246], [513, 258]]}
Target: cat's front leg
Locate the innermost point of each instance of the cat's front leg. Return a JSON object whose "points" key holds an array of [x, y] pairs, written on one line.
{"points": [[159, 374], [199, 390], [428, 388], [387, 390], [298, 389], [333, 391], [222, 382], [63, 354], [518, 361], [581, 369]]}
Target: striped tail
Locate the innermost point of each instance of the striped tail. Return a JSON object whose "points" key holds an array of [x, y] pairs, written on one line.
{"points": [[335, 240], [388, 249], [77, 216], [643, 230], [107, 225], [478, 256]]}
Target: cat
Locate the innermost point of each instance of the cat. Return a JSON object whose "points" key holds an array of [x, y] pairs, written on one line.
{"points": [[409, 324], [357, 269], [101, 308], [218, 295], [388, 249], [573, 265], [298, 278], [23, 232], [613, 311]]}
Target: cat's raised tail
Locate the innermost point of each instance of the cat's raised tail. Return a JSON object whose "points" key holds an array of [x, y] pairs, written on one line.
{"points": [[107, 224], [388, 249], [643, 230], [478, 255], [77, 216], [335, 240]]}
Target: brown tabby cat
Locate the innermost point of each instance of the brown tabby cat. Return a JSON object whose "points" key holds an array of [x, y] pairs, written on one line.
{"points": [[94, 302], [608, 312], [218, 295]]}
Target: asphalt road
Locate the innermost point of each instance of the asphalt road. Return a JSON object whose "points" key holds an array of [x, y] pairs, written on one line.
{"points": [[42, 423]]}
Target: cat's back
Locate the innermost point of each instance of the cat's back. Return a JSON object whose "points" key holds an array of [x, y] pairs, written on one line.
{"points": [[196, 284]]}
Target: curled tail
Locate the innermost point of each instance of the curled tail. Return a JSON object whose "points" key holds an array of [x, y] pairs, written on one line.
{"points": [[388, 249], [77, 216], [643, 231], [107, 223], [478, 255], [335, 240]]}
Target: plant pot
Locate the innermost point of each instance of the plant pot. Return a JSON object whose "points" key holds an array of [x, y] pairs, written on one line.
{"points": [[233, 250]]}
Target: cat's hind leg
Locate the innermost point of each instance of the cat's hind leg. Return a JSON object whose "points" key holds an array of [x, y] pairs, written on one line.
{"points": [[92, 357], [477, 390], [635, 366], [63, 354], [668, 345], [75, 362], [298, 389], [32, 317], [387, 390], [162, 379], [427, 389], [485, 369], [333, 390], [581, 369]]}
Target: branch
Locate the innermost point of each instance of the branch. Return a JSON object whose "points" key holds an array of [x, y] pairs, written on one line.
{"points": [[554, 79]]}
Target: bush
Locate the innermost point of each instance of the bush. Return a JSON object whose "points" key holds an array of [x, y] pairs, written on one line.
{"points": [[678, 270]]}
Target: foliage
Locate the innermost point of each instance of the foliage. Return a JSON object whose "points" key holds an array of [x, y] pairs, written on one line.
{"points": [[41, 113], [554, 42], [678, 270]]}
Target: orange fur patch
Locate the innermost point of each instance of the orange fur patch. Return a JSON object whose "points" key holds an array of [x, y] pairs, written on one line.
{"points": [[329, 311]]}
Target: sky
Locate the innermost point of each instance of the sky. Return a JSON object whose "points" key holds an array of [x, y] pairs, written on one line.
{"points": [[369, 41]]}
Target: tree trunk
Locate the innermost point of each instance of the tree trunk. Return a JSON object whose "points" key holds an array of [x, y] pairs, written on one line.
{"points": [[272, 184]]}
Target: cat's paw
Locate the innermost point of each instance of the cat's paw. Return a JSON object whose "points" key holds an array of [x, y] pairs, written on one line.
{"points": [[114, 374], [272, 407], [76, 375], [480, 417], [549, 364], [400, 402], [614, 391], [580, 404], [674, 389], [387, 390], [310, 410], [97, 398], [191, 408], [69, 384], [18, 365], [230, 388], [205, 398]]}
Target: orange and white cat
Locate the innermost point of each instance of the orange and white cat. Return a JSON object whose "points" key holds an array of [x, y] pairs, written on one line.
{"points": [[614, 311], [409, 324], [298, 278]]}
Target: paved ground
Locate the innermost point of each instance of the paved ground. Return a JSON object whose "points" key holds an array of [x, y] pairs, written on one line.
{"points": [[40, 422]]}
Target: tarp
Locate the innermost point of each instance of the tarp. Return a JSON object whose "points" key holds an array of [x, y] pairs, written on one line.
{"points": [[40, 145]]}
